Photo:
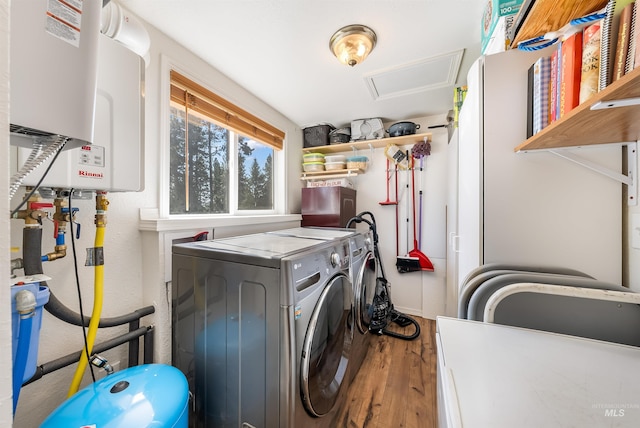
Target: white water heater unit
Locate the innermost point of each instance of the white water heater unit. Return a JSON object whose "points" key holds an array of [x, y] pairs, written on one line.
{"points": [[53, 58], [114, 161]]}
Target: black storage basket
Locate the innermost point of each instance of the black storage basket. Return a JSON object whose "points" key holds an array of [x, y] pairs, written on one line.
{"points": [[318, 135]]}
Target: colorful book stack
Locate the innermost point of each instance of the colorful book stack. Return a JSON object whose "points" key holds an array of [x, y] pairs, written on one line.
{"points": [[584, 62], [619, 48]]}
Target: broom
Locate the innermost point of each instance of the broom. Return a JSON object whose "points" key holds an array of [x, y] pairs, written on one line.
{"points": [[408, 263], [419, 150]]}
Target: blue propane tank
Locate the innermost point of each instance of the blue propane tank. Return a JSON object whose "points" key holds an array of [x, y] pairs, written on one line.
{"points": [[150, 395]]}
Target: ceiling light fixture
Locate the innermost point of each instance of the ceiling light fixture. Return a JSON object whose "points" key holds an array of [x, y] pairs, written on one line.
{"points": [[352, 44]]}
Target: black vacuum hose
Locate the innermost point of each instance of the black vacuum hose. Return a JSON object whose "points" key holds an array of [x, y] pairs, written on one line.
{"points": [[402, 320]]}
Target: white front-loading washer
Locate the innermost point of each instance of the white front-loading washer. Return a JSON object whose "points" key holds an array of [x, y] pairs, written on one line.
{"points": [[261, 329]]}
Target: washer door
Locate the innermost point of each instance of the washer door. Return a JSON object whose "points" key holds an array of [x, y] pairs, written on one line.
{"points": [[365, 291], [325, 353]]}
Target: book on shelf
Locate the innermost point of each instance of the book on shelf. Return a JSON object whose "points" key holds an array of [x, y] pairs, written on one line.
{"points": [[622, 44], [570, 72], [530, 100], [609, 40], [633, 40], [553, 87], [590, 60], [540, 96]]}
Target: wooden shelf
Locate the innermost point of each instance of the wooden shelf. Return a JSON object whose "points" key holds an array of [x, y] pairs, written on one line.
{"points": [[551, 15], [366, 144], [324, 175], [583, 126]]}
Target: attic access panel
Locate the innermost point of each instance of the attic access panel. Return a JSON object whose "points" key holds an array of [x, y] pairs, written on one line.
{"points": [[418, 76]]}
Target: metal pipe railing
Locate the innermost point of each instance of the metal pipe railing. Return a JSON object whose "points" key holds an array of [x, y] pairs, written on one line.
{"points": [[74, 357]]}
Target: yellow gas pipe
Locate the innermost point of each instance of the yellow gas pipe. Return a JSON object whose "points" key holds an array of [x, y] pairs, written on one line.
{"points": [[101, 223]]}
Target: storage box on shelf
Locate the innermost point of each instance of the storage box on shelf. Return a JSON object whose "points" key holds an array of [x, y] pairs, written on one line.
{"points": [[497, 19], [331, 182], [324, 175], [317, 135]]}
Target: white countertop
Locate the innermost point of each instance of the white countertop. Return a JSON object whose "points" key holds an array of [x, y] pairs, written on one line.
{"points": [[500, 376]]}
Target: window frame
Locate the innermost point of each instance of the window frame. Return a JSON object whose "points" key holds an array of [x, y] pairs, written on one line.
{"points": [[279, 156]]}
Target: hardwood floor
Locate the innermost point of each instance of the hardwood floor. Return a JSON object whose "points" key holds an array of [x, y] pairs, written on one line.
{"points": [[396, 385]]}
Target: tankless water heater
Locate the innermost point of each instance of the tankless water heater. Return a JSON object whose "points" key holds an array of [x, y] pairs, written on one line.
{"points": [[114, 161], [53, 58]]}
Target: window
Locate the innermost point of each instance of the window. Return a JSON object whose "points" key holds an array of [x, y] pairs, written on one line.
{"points": [[221, 157]]}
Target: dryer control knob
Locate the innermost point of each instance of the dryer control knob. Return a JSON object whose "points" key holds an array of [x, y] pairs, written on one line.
{"points": [[335, 259]]}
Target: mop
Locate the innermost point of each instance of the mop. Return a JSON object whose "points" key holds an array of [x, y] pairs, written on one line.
{"points": [[421, 151]]}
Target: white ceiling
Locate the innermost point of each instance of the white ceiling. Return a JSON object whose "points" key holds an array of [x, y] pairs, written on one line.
{"points": [[279, 50]]}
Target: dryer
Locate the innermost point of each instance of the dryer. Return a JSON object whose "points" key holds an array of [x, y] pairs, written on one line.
{"points": [[260, 329], [363, 273]]}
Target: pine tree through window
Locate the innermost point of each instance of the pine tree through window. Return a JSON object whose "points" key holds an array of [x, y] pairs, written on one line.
{"points": [[203, 177]]}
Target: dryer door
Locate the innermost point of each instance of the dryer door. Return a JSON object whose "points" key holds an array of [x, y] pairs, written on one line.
{"points": [[325, 352], [364, 292]]}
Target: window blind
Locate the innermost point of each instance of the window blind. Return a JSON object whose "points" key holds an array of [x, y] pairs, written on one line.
{"points": [[193, 96]]}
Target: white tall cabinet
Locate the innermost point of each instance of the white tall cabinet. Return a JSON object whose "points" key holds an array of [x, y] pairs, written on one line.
{"points": [[526, 208], [451, 299]]}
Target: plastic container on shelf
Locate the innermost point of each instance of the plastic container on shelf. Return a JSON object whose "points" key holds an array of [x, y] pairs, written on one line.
{"points": [[333, 166], [358, 162], [313, 166], [335, 158], [313, 157]]}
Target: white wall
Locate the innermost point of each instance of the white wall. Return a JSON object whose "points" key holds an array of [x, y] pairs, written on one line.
{"points": [[416, 293], [6, 401]]}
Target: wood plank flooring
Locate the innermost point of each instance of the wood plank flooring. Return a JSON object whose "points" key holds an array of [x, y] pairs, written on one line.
{"points": [[396, 385]]}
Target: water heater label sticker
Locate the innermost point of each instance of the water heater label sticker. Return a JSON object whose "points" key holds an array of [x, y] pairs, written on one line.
{"points": [[64, 20]]}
